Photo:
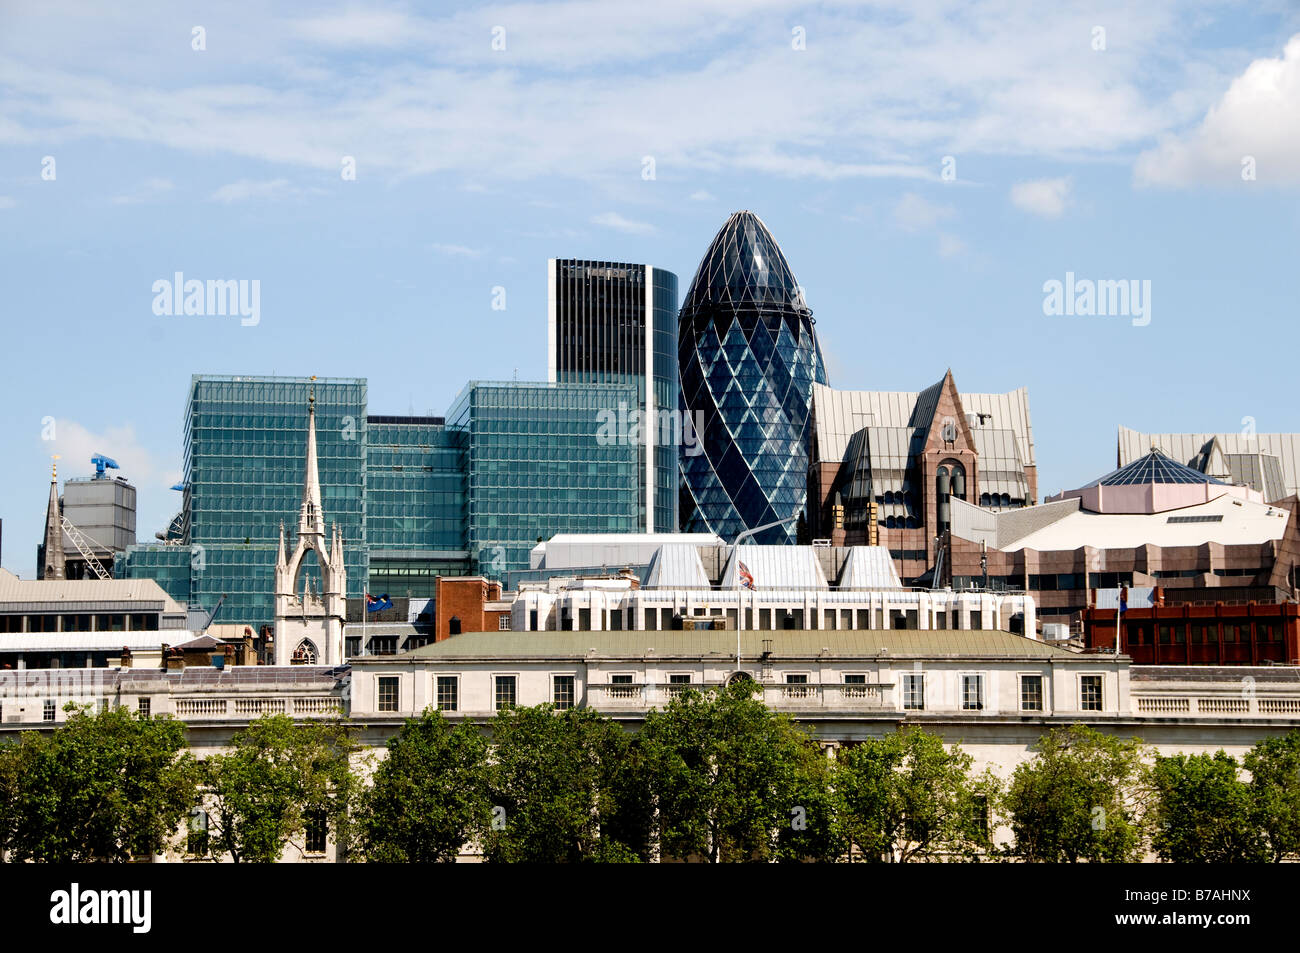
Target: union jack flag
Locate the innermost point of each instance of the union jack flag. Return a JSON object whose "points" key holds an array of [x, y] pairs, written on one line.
{"points": [[746, 577]]}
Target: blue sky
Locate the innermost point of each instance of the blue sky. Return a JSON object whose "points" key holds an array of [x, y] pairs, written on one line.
{"points": [[1113, 155]]}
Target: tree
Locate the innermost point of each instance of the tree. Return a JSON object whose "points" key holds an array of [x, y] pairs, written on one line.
{"points": [[429, 795], [1205, 813], [906, 797], [565, 787], [278, 776], [1274, 766], [110, 786], [732, 781], [1080, 798]]}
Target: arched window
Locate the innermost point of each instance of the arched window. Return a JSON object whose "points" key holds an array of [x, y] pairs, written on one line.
{"points": [[305, 653]]}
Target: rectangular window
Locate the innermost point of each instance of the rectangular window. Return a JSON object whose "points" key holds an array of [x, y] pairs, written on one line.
{"points": [[1090, 692], [196, 844], [623, 687], [448, 693], [972, 692], [563, 692], [1031, 693], [855, 686], [503, 623], [913, 691], [145, 705], [506, 695], [796, 686], [48, 713], [317, 831], [388, 692]]}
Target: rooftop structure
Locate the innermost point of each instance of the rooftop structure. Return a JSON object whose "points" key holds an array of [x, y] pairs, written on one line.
{"points": [[1268, 463]]}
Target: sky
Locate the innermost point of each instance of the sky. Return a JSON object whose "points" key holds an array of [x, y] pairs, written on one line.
{"points": [[388, 172]]}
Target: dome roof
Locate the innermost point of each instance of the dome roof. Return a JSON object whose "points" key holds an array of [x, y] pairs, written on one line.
{"points": [[744, 266], [1155, 467]]}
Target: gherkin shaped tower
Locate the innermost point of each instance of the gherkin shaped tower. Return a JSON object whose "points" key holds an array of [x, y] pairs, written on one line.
{"points": [[748, 358]]}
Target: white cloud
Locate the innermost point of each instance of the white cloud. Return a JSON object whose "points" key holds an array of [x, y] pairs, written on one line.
{"points": [[950, 246], [246, 189], [616, 221], [1258, 116], [700, 195], [954, 77], [1044, 197], [914, 213], [149, 189], [462, 251]]}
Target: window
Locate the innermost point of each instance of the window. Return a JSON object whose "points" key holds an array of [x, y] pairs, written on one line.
{"points": [[317, 832], [196, 843], [388, 692], [144, 705], [563, 692], [1090, 692], [913, 691], [448, 692], [505, 692], [1031, 693], [103, 704], [972, 692], [352, 646], [855, 686], [48, 713], [623, 687], [503, 623], [796, 686]]}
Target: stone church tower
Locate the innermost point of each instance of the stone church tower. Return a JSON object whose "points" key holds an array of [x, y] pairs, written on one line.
{"points": [[309, 624]]}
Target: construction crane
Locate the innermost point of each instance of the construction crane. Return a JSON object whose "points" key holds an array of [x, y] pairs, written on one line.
{"points": [[213, 614], [102, 463], [82, 542]]}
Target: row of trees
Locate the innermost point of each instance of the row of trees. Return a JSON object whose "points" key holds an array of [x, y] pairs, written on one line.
{"points": [[715, 777]]}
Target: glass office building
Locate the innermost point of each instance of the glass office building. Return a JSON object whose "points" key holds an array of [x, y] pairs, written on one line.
{"points": [[245, 449], [536, 465], [748, 359], [415, 503], [614, 322]]}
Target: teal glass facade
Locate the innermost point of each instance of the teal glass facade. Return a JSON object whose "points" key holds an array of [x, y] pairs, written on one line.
{"points": [[535, 466], [415, 503]]}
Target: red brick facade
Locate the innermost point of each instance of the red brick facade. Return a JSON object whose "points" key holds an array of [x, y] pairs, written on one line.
{"points": [[460, 605], [1201, 634]]}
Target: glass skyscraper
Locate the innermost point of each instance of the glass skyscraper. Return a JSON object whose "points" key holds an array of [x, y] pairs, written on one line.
{"points": [[748, 359], [415, 503], [536, 464], [245, 449], [614, 322]]}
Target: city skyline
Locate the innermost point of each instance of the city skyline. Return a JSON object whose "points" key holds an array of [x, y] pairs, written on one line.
{"points": [[391, 276]]}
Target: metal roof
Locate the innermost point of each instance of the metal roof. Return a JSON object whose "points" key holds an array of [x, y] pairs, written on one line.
{"points": [[676, 566], [869, 567], [945, 643], [1197, 451], [778, 567], [13, 589]]}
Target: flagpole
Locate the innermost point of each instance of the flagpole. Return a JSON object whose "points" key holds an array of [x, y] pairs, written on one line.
{"points": [[1119, 612]]}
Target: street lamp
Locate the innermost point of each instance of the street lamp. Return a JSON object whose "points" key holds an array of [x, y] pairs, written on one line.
{"points": [[735, 559]]}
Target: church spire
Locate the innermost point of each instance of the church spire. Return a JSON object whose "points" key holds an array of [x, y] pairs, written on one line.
{"points": [[311, 521], [54, 566]]}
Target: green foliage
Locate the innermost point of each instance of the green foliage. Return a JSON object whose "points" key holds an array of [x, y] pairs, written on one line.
{"points": [[1274, 766], [1205, 813], [1080, 798], [730, 778], [906, 797], [110, 786], [565, 786], [429, 795], [278, 775]]}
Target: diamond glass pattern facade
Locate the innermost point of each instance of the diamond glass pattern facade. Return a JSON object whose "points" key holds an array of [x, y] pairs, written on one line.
{"points": [[748, 358], [535, 466]]}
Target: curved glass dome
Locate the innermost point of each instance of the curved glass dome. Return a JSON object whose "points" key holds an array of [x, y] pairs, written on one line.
{"points": [[1155, 467], [748, 359]]}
